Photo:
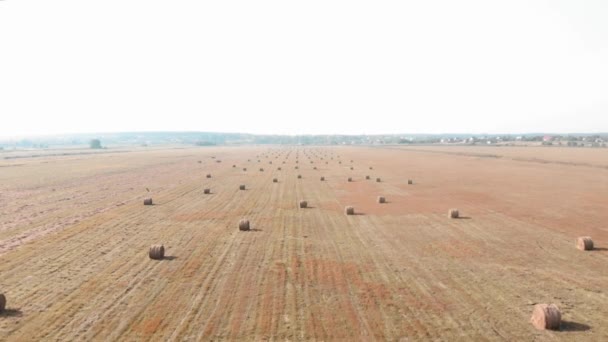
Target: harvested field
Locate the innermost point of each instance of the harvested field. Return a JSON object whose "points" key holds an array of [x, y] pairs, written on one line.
{"points": [[75, 237]]}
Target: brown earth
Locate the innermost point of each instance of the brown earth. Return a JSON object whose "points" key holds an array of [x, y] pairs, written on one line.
{"points": [[74, 238]]}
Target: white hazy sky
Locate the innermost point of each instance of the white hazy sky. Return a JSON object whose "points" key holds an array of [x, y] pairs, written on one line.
{"points": [[303, 66]]}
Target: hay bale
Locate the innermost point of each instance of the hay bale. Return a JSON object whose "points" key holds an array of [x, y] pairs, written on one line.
{"points": [[279, 168], [381, 199], [303, 204], [200, 161], [233, 165], [410, 182], [299, 176], [584, 243], [371, 168], [148, 201], [274, 180], [2, 302], [157, 252], [207, 191], [314, 168], [378, 180], [352, 168], [349, 210], [546, 316], [244, 225], [208, 175], [244, 169], [322, 179], [261, 169], [296, 167], [350, 179], [453, 213], [367, 177], [241, 187]]}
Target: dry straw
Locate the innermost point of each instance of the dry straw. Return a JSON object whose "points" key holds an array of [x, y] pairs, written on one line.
{"points": [[157, 252], [546, 316], [584, 243], [453, 213], [244, 225]]}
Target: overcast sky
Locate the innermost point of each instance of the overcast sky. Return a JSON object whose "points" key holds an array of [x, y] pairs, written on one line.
{"points": [[303, 66]]}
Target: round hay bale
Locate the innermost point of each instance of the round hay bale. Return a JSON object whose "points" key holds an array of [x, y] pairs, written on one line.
{"points": [[314, 168], [148, 201], [546, 316], [200, 161], [381, 199], [244, 169], [233, 165], [371, 168], [410, 182], [322, 179], [208, 175], [453, 213], [270, 162], [244, 225], [349, 210], [157, 252], [261, 169], [352, 168], [296, 167], [242, 187], [350, 179], [207, 191], [274, 180], [367, 177], [2, 302], [378, 180], [584, 243], [299, 176], [279, 168], [303, 204]]}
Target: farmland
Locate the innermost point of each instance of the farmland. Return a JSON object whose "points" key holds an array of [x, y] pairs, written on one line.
{"points": [[74, 239]]}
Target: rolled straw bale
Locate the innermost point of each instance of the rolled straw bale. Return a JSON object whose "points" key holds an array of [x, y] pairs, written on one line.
{"points": [[157, 252], [244, 225], [546, 316], [584, 243]]}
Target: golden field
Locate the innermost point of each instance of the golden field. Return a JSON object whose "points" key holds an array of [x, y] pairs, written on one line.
{"points": [[74, 240]]}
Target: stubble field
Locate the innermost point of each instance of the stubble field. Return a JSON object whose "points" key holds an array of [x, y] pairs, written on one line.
{"points": [[74, 239]]}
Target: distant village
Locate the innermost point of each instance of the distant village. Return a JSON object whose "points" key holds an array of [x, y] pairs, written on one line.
{"points": [[145, 139]]}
